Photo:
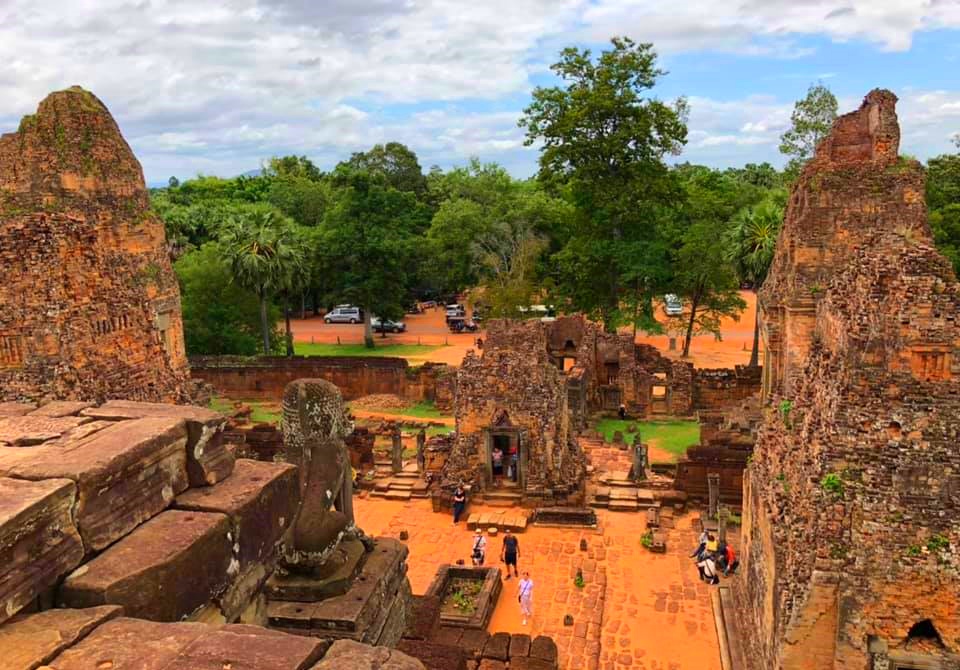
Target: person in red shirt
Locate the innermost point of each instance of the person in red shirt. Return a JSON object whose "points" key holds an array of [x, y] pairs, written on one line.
{"points": [[730, 563]]}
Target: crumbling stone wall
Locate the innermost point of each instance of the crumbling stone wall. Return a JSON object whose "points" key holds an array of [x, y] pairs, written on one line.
{"points": [[89, 305], [850, 520]]}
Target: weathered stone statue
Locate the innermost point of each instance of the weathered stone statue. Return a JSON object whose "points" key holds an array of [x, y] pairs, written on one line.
{"points": [[315, 424]]}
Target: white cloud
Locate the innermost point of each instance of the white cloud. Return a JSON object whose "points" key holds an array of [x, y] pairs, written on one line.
{"points": [[768, 26], [217, 86]]}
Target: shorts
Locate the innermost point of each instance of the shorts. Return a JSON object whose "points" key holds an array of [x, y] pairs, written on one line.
{"points": [[510, 559]]}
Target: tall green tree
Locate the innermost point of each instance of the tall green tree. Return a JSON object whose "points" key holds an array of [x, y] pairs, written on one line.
{"points": [[219, 316], [394, 161], [751, 241], [810, 122], [943, 201], [605, 137], [264, 256], [369, 243]]}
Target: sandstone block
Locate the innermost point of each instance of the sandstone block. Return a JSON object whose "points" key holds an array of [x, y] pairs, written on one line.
{"points": [[260, 499], [38, 540], [31, 640], [241, 647], [24, 431], [491, 664], [125, 474], [59, 408], [350, 655], [130, 644], [163, 571], [436, 656], [530, 663], [544, 648], [519, 645], [15, 408], [498, 647], [208, 460]]}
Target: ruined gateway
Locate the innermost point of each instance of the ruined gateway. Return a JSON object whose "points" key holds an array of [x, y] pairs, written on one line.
{"points": [[851, 519]]}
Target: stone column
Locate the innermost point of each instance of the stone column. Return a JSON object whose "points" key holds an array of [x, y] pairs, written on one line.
{"points": [[397, 454], [421, 445], [639, 460], [713, 492], [723, 515]]}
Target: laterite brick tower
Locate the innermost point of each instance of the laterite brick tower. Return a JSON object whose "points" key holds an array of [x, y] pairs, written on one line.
{"points": [[89, 304], [851, 519]]}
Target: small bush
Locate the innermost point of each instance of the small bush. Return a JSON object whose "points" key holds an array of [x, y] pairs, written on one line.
{"points": [[832, 484], [938, 543], [578, 580], [646, 540], [785, 408]]}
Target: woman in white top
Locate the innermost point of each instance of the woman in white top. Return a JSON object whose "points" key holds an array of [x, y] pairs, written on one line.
{"points": [[525, 596]]}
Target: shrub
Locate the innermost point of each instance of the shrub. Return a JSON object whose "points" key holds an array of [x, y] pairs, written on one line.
{"points": [[646, 540], [832, 484], [938, 543]]}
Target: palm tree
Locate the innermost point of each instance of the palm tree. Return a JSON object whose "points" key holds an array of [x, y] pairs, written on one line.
{"points": [[264, 256], [751, 242]]}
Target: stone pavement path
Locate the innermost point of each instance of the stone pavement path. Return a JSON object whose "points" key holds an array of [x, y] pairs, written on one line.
{"points": [[636, 609]]}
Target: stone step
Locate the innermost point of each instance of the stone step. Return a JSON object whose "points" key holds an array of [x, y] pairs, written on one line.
{"points": [[181, 558], [501, 495], [623, 506], [600, 504], [419, 495], [400, 485], [407, 474], [623, 494], [397, 495]]}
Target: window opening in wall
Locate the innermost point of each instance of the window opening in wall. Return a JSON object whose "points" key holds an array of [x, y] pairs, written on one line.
{"points": [[613, 372], [658, 392]]}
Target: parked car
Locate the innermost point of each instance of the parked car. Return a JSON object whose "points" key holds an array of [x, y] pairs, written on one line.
{"points": [[672, 305], [459, 324], [344, 314], [387, 325], [455, 311]]}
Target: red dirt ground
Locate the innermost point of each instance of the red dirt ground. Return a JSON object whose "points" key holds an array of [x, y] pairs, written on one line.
{"points": [[430, 328]]}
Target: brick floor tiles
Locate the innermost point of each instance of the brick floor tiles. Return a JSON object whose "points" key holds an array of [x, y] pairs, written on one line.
{"points": [[635, 610]]}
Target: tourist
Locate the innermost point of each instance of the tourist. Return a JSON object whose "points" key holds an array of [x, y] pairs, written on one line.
{"points": [[701, 546], [712, 545], [730, 561], [708, 570], [525, 597], [510, 552], [479, 552], [622, 412], [459, 502], [497, 457], [514, 469]]}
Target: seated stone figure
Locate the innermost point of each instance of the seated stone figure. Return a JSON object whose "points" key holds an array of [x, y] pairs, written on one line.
{"points": [[315, 424]]}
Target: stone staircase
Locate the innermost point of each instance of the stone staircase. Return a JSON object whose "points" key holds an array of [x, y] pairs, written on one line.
{"points": [[400, 486], [619, 494]]}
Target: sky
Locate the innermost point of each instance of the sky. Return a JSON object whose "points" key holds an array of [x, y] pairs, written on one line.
{"points": [[217, 87]]}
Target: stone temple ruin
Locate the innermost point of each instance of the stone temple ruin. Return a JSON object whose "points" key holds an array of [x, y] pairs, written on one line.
{"points": [[852, 499], [130, 535], [86, 268]]}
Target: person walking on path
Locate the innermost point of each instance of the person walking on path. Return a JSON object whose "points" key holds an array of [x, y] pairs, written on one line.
{"points": [[525, 597], [510, 552], [479, 552], [459, 502]]}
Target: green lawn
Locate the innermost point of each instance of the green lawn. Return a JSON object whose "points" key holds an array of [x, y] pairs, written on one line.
{"points": [[673, 436], [400, 350]]}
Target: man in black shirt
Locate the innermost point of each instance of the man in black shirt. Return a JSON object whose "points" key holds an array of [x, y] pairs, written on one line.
{"points": [[510, 552]]}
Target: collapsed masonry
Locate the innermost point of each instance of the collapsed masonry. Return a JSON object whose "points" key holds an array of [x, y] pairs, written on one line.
{"points": [[850, 522], [138, 509], [85, 262]]}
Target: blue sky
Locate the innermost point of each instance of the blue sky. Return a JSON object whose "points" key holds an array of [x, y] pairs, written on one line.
{"points": [[216, 87]]}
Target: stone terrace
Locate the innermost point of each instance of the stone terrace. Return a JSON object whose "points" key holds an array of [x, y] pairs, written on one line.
{"points": [[637, 610]]}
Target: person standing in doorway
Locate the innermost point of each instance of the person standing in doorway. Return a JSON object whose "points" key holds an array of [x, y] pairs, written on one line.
{"points": [[525, 597], [497, 457], [479, 552], [510, 552], [459, 502]]}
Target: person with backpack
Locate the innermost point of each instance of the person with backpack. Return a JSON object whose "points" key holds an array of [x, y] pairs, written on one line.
{"points": [[479, 552], [731, 563], [510, 552]]}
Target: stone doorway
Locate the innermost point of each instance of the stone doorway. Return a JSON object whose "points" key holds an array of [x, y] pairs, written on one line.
{"points": [[611, 398], [513, 461]]}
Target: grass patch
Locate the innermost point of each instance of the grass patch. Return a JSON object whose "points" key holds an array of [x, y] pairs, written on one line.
{"points": [[420, 410], [262, 412], [399, 350], [673, 436]]}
